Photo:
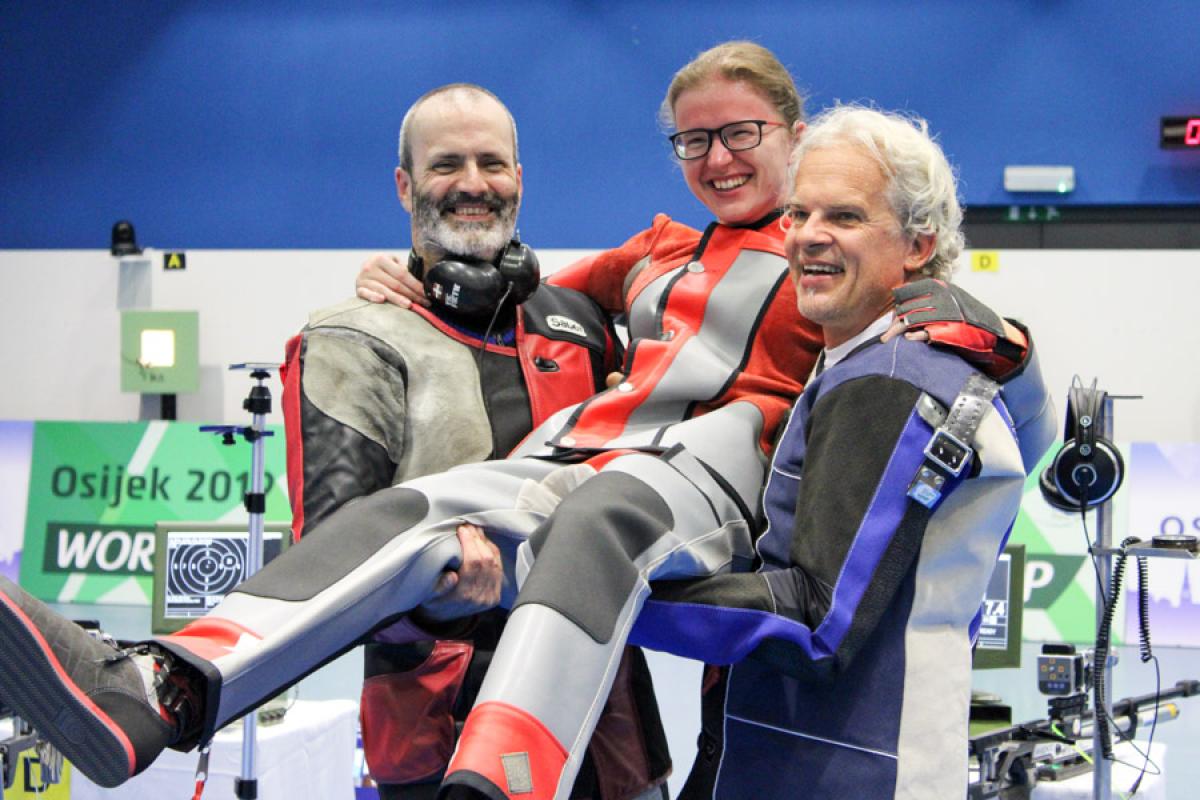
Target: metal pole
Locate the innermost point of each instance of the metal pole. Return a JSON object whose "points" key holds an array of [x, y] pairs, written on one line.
{"points": [[259, 404], [1102, 767], [257, 469]]}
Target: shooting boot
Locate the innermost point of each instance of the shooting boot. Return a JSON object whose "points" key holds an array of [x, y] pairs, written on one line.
{"points": [[109, 711]]}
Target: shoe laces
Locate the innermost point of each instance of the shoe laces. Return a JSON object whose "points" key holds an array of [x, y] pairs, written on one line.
{"points": [[167, 688]]}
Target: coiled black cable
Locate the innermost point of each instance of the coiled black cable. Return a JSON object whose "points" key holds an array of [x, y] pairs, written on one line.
{"points": [[1104, 638], [1144, 651], [1100, 659]]}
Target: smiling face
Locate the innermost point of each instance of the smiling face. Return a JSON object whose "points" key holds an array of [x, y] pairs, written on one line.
{"points": [[845, 248], [737, 187], [465, 188]]}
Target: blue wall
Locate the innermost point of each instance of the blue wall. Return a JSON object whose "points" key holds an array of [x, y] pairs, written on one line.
{"points": [[262, 124]]}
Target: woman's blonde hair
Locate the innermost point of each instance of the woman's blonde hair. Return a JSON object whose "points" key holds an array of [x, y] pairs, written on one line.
{"points": [[741, 61]]}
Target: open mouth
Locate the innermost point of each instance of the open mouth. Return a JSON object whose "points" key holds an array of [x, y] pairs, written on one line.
{"points": [[729, 184], [470, 208], [821, 269], [469, 211]]}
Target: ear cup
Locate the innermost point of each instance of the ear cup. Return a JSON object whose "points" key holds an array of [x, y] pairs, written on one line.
{"points": [[1088, 469], [519, 266], [1087, 481], [416, 265], [1050, 491], [467, 287]]}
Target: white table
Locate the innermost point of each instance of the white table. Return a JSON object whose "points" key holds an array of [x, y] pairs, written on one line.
{"points": [[309, 754]]}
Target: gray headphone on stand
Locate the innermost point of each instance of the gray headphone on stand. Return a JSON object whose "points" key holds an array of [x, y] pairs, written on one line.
{"points": [[1088, 469]]}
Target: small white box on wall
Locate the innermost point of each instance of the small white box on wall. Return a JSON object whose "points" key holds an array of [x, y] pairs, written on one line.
{"points": [[1057, 179]]}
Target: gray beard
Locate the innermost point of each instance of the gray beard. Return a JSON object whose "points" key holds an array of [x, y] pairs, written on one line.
{"points": [[478, 240]]}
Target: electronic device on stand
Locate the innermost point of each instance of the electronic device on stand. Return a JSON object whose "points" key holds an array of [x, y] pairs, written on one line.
{"points": [[258, 403]]}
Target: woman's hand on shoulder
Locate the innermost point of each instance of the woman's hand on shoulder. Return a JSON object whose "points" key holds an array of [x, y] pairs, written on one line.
{"points": [[384, 278]]}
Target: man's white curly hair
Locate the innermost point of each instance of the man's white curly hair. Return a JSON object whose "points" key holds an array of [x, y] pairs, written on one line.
{"points": [[922, 188]]}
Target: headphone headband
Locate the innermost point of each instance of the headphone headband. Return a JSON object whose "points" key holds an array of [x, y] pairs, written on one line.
{"points": [[1085, 411]]}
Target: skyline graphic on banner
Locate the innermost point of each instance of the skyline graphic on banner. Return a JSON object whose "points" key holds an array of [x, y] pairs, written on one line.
{"points": [[1163, 500]]}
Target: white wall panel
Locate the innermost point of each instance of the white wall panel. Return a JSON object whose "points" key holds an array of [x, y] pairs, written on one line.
{"points": [[1126, 317]]}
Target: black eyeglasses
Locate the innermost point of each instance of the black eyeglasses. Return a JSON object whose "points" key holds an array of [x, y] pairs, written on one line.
{"points": [[744, 134]]}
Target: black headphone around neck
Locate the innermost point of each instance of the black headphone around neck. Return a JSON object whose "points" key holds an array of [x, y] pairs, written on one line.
{"points": [[475, 288], [1088, 469]]}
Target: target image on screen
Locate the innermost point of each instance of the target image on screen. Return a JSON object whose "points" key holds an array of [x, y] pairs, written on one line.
{"points": [[197, 564]]}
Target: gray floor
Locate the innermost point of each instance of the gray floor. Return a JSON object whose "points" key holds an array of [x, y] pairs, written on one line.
{"points": [[678, 685]]}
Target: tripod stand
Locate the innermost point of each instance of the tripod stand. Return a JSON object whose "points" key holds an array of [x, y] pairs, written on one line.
{"points": [[258, 403]]}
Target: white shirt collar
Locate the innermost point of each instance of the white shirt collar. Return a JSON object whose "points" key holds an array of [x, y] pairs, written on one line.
{"points": [[873, 331]]}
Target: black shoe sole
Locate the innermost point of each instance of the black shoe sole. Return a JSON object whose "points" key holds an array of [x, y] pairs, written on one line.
{"points": [[38, 688]]}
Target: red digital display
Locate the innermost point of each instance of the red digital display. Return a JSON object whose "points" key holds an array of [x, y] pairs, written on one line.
{"points": [[1180, 133]]}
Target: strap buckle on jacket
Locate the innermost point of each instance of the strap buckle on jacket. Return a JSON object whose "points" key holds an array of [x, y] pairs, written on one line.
{"points": [[949, 450]]}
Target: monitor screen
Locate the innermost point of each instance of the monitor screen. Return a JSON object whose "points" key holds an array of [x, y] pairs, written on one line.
{"points": [[197, 563], [999, 643]]}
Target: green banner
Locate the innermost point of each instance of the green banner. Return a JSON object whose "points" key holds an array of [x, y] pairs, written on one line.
{"points": [[96, 489], [1060, 578]]}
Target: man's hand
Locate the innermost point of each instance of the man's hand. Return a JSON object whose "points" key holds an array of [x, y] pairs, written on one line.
{"points": [[945, 315], [385, 278], [474, 587]]}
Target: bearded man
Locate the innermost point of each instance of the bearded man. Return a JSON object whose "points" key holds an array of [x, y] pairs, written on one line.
{"points": [[374, 396]]}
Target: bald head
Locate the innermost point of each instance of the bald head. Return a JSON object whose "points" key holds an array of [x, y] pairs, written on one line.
{"points": [[454, 96]]}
